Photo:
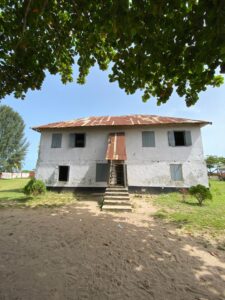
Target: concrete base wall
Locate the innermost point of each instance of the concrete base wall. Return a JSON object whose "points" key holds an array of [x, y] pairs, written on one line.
{"points": [[149, 174], [101, 190]]}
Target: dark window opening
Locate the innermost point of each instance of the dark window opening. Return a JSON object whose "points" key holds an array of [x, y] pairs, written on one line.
{"points": [[77, 140], [80, 140], [179, 137], [63, 173]]}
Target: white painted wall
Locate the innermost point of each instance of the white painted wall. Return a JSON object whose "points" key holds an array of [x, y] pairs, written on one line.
{"points": [[145, 166]]}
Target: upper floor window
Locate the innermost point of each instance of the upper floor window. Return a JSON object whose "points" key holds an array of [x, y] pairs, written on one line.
{"points": [[148, 139], [56, 140], [77, 140], [179, 138]]}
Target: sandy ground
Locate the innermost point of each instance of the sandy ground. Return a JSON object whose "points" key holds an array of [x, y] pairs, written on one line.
{"points": [[78, 252]]}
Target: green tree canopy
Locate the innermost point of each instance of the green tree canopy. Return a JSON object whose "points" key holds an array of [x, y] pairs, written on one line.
{"points": [[213, 162], [13, 144], [156, 46]]}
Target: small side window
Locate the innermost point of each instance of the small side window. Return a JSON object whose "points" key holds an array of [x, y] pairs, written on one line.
{"points": [[77, 140], [56, 140], [176, 172], [63, 173], [148, 139]]}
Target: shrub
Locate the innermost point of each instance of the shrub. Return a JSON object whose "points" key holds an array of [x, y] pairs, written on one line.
{"points": [[200, 192], [34, 187], [184, 193]]}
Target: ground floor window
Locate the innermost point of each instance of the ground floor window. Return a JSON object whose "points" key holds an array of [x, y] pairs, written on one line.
{"points": [[102, 172], [63, 173], [176, 172]]}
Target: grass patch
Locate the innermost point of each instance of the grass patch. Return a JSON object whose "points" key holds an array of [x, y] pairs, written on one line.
{"points": [[161, 214], [11, 195], [210, 216]]}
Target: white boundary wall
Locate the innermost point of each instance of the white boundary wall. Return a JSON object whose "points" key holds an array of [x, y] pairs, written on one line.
{"points": [[7, 175]]}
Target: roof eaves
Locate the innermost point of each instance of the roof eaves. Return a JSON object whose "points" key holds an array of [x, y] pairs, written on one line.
{"points": [[119, 121]]}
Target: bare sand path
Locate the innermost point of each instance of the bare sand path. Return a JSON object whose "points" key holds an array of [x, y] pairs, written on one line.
{"points": [[78, 252]]}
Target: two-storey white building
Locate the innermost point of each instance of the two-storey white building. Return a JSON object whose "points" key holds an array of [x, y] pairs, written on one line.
{"points": [[138, 151]]}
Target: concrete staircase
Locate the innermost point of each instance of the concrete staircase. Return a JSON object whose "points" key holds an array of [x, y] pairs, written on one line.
{"points": [[116, 199]]}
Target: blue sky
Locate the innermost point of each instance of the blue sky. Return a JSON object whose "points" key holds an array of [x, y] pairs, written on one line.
{"points": [[98, 97]]}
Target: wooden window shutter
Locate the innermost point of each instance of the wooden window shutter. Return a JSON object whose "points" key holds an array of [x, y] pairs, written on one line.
{"points": [[101, 172], [171, 139], [176, 172], [148, 139], [72, 140], [188, 141], [56, 140]]}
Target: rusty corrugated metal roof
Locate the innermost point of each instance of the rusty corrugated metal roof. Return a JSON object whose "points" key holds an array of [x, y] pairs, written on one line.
{"points": [[130, 120], [116, 149]]}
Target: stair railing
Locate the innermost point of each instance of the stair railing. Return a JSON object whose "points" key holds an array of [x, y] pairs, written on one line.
{"points": [[110, 171]]}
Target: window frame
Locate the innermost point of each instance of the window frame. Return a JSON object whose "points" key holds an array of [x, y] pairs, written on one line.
{"points": [[144, 142], [178, 138], [72, 140], [96, 172], [52, 142], [172, 176], [187, 138]]}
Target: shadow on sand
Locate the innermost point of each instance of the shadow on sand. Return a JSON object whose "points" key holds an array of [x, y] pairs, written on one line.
{"points": [[76, 253]]}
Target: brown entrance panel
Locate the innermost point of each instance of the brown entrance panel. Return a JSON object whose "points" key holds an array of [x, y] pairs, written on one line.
{"points": [[116, 149], [116, 156]]}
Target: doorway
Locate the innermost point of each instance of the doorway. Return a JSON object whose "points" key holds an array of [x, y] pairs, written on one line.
{"points": [[117, 175], [119, 170]]}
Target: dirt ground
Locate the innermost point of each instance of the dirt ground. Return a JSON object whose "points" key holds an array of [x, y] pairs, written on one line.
{"points": [[78, 252]]}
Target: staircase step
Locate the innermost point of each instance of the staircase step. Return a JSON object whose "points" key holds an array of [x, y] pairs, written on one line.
{"points": [[117, 208], [121, 189], [116, 202], [117, 186], [117, 193], [117, 197]]}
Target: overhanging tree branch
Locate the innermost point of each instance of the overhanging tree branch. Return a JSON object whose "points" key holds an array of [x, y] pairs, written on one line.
{"points": [[155, 46]]}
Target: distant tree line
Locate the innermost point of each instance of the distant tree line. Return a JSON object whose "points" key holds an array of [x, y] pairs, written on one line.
{"points": [[214, 162]]}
